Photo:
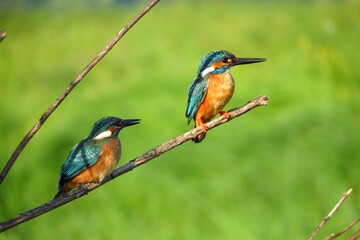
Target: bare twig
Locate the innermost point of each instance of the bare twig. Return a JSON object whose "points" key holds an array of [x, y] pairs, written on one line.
{"points": [[335, 235], [71, 86], [151, 154], [337, 206], [356, 235], [2, 35]]}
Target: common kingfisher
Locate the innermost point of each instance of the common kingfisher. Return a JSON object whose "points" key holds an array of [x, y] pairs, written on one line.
{"points": [[94, 157], [212, 88]]}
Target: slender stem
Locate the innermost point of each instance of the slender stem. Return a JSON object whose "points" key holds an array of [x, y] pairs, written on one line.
{"points": [[149, 155], [356, 235], [331, 213], [335, 235], [71, 86], [2, 35]]}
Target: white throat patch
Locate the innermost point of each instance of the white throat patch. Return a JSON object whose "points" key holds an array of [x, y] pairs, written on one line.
{"points": [[103, 135], [206, 71]]}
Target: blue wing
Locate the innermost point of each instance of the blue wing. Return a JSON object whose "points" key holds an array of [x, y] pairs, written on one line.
{"points": [[196, 95], [83, 155]]}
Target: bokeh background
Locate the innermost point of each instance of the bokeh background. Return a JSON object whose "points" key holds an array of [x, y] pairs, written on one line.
{"points": [[273, 173]]}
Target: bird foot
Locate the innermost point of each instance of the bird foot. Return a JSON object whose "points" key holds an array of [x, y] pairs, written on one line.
{"points": [[203, 127], [226, 114], [85, 187]]}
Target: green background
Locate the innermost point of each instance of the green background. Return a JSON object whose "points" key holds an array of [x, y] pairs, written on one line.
{"points": [[273, 173]]}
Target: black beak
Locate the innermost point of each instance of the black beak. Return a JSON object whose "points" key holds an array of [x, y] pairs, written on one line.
{"points": [[238, 61], [129, 122]]}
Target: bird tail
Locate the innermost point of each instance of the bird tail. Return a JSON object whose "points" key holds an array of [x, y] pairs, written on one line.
{"points": [[64, 187], [58, 194], [61, 186], [199, 138], [63, 190]]}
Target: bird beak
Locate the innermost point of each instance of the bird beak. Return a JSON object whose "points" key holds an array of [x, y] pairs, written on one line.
{"points": [[238, 61], [129, 122]]}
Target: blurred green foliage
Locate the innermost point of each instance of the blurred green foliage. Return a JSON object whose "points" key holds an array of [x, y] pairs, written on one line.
{"points": [[272, 174]]}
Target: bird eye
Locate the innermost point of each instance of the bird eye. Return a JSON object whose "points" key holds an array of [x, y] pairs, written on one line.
{"points": [[227, 60]]}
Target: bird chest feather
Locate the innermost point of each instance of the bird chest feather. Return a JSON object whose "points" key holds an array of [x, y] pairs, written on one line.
{"points": [[220, 91]]}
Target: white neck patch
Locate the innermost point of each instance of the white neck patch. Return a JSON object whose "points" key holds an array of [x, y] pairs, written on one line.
{"points": [[206, 71], [103, 135]]}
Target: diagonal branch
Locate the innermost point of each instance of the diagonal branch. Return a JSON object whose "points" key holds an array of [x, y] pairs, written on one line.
{"points": [[335, 235], [71, 86], [2, 35], [149, 155], [356, 235], [331, 213]]}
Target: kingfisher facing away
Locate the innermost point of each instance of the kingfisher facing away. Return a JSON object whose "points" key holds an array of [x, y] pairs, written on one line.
{"points": [[94, 157], [212, 88]]}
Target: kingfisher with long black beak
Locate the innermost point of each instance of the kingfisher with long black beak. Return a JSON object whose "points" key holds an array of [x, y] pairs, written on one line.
{"points": [[212, 88], [94, 157]]}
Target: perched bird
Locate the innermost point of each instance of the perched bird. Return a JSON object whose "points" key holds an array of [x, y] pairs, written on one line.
{"points": [[94, 157], [212, 88]]}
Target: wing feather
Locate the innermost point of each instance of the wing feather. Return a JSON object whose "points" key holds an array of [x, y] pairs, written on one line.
{"points": [[83, 155], [196, 95]]}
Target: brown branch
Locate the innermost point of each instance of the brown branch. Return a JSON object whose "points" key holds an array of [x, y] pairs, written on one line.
{"points": [[2, 35], [335, 235], [149, 155], [356, 235], [71, 86], [337, 206]]}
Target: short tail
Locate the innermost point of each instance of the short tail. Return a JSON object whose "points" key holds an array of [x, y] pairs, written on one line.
{"points": [[61, 191], [199, 138], [63, 188], [58, 194]]}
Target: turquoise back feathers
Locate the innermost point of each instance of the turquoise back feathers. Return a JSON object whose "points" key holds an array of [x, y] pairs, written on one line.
{"points": [[87, 151], [199, 85], [217, 62]]}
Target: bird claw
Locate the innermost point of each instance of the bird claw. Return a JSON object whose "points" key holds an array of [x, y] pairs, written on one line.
{"points": [[203, 128], [226, 114], [85, 187]]}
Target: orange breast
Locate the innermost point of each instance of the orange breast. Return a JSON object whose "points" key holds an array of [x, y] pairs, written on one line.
{"points": [[219, 92], [107, 162]]}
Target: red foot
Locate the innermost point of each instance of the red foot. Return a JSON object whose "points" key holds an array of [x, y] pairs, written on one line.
{"points": [[203, 127], [199, 122], [226, 114]]}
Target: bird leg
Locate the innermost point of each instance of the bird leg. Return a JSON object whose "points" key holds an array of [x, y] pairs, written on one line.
{"points": [[85, 186], [200, 136], [224, 113], [199, 122], [203, 127]]}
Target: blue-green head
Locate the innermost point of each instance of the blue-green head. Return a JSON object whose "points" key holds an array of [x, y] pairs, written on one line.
{"points": [[110, 127], [218, 62]]}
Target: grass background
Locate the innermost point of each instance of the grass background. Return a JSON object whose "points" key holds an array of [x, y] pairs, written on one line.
{"points": [[272, 174]]}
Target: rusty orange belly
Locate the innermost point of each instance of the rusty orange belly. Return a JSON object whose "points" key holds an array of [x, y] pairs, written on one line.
{"points": [[107, 162], [219, 92]]}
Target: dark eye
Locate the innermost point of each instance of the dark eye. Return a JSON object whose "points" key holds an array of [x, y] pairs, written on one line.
{"points": [[226, 60]]}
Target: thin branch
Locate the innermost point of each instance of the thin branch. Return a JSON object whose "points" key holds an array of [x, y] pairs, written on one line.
{"points": [[337, 206], [149, 155], [335, 235], [71, 86], [2, 35], [356, 235]]}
